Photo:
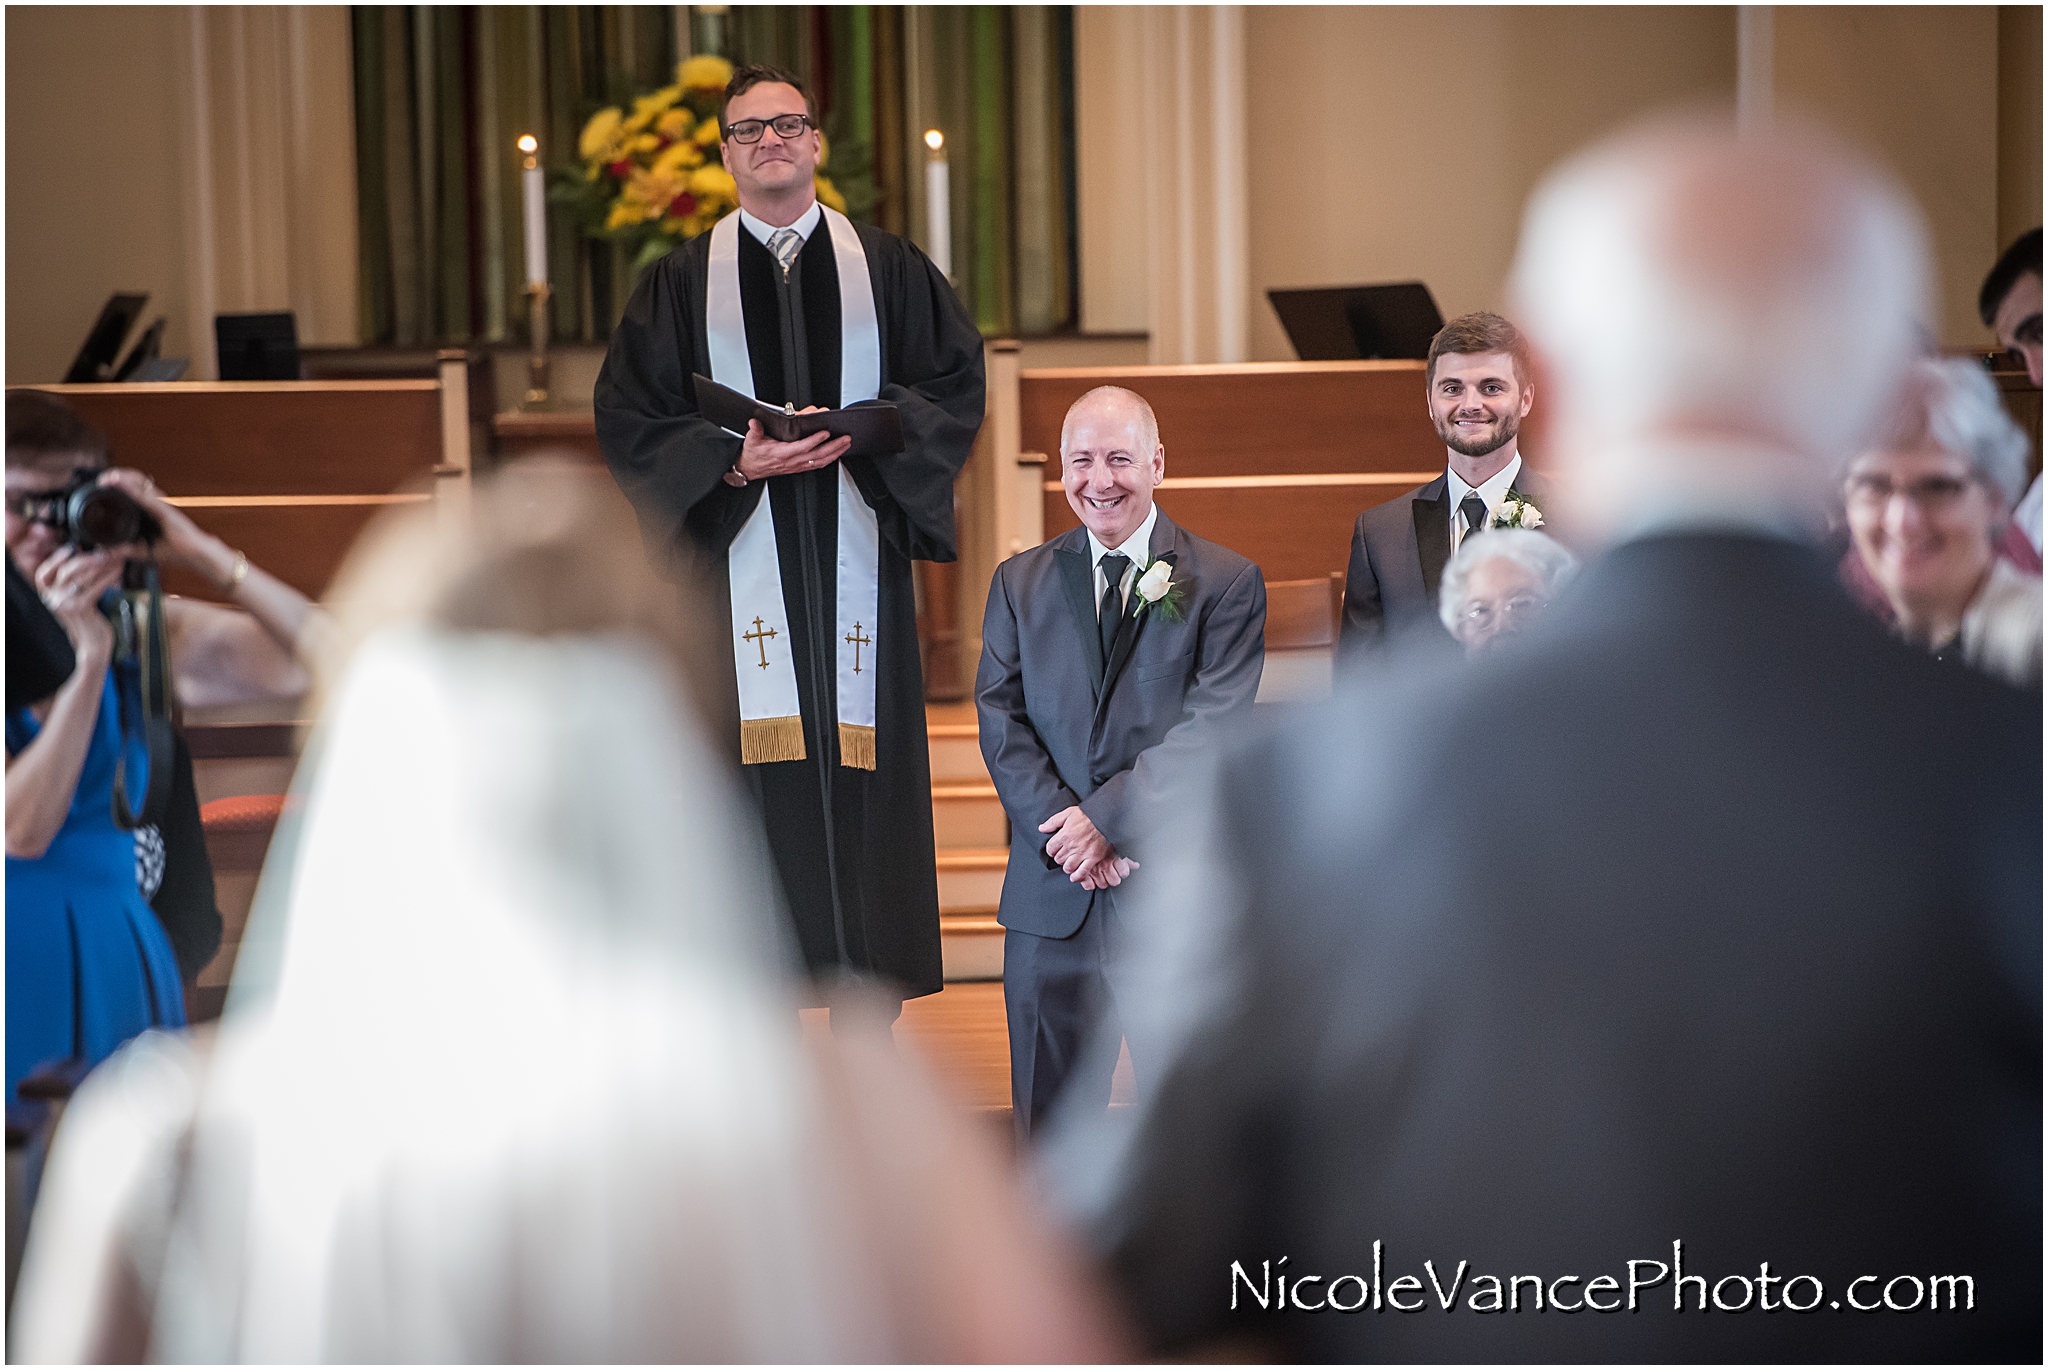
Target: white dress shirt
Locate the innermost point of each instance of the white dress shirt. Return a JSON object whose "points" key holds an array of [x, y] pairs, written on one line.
{"points": [[1136, 547], [1492, 492], [763, 230]]}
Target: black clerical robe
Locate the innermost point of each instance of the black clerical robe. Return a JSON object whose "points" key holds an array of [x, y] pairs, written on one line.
{"points": [[854, 847]]}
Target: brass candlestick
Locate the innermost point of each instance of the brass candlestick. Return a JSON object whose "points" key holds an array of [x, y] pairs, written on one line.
{"points": [[537, 361]]}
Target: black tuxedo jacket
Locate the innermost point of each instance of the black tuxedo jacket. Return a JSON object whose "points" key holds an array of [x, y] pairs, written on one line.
{"points": [[1398, 552], [1723, 928], [1061, 726]]}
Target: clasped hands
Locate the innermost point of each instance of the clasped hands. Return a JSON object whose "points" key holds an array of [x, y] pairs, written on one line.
{"points": [[762, 456], [1083, 852]]}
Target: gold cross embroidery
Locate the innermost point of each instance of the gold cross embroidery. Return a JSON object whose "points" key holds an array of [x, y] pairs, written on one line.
{"points": [[760, 640], [858, 642]]}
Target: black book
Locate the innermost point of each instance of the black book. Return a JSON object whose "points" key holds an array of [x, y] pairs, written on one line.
{"points": [[875, 427]]}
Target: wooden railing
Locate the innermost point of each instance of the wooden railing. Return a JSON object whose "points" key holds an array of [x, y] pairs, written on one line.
{"points": [[289, 471]]}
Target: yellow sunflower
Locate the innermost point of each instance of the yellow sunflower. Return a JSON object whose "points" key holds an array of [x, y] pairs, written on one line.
{"points": [[600, 133], [704, 73]]}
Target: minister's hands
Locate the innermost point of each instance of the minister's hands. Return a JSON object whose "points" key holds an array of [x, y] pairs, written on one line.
{"points": [[761, 455], [1083, 852]]}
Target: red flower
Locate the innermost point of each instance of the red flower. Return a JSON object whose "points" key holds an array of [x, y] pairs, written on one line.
{"points": [[623, 168], [682, 206]]}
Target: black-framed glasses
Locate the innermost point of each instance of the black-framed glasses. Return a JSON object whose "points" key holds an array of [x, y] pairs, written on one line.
{"points": [[786, 126], [47, 507]]}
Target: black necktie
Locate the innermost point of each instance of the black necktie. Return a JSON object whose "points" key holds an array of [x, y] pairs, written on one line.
{"points": [[1474, 510], [1113, 567]]}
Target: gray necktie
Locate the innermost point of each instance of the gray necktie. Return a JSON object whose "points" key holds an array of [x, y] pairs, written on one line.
{"points": [[1474, 510], [785, 245]]}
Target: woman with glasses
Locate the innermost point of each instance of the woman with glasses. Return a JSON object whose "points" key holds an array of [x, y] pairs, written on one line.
{"points": [[89, 962], [1926, 511], [1499, 584]]}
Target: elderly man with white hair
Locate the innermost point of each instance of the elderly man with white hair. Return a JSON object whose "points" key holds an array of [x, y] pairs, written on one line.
{"points": [[1496, 586], [1667, 988]]}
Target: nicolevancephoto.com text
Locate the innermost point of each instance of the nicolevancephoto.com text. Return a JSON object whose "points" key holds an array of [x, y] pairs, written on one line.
{"points": [[1458, 1288]]}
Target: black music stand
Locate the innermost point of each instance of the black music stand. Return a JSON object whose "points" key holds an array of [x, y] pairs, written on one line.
{"points": [[96, 359], [144, 351], [1350, 323], [257, 347]]}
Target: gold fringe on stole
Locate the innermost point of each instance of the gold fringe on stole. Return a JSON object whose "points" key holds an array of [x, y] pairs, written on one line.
{"points": [[857, 746], [771, 739]]}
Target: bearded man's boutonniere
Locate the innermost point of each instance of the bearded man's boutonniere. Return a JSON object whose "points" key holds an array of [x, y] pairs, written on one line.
{"points": [[1158, 591], [1516, 512]]}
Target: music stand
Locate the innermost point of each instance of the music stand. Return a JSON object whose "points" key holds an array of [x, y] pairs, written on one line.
{"points": [[144, 351], [1349, 323], [95, 361], [257, 347]]}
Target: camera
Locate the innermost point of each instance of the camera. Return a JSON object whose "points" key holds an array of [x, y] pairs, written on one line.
{"points": [[93, 516]]}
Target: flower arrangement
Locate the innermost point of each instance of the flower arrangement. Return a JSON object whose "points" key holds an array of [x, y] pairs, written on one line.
{"points": [[653, 178]]}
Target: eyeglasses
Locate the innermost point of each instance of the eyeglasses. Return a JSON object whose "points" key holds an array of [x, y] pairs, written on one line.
{"points": [[786, 126], [1933, 494], [1480, 614]]}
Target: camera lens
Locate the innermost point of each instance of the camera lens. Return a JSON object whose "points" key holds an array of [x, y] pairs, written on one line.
{"points": [[102, 516]]}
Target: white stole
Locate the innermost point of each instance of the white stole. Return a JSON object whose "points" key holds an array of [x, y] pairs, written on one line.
{"points": [[771, 722]]}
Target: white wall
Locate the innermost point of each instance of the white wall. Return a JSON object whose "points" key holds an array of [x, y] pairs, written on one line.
{"points": [[204, 154], [1399, 142], [93, 169]]}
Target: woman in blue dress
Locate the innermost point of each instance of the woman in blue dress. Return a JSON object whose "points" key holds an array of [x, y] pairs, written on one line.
{"points": [[88, 964]]}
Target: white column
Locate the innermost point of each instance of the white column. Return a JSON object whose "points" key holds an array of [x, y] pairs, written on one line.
{"points": [[1112, 129], [1231, 203], [1197, 180], [269, 170]]}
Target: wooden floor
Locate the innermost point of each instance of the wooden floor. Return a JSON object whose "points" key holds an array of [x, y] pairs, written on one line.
{"points": [[961, 1033]]}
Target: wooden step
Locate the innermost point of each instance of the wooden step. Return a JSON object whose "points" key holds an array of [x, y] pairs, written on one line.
{"points": [[967, 813], [971, 878], [956, 752], [972, 943]]}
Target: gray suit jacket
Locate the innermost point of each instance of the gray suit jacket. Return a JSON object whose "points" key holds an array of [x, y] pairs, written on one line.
{"points": [[1061, 726], [1398, 552]]}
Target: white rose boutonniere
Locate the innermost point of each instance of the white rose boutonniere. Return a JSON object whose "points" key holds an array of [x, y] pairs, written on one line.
{"points": [[1158, 590], [1517, 512]]}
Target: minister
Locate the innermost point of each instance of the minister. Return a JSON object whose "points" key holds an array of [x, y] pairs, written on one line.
{"points": [[790, 302]]}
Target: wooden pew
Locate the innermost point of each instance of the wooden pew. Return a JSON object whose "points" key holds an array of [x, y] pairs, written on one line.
{"points": [[288, 471], [1274, 460]]}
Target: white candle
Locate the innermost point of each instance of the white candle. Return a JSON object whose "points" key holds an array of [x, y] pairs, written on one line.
{"points": [[938, 202], [536, 214]]}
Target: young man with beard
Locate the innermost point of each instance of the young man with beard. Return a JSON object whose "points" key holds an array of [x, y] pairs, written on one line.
{"points": [[1479, 393]]}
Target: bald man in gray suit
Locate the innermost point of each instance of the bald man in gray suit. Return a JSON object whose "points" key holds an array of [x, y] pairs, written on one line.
{"points": [[1113, 657]]}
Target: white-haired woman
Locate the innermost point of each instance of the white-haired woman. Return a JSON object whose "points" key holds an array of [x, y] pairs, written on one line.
{"points": [[1927, 509], [1498, 585]]}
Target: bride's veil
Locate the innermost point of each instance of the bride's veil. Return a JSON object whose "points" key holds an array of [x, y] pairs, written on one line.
{"points": [[509, 1071]]}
